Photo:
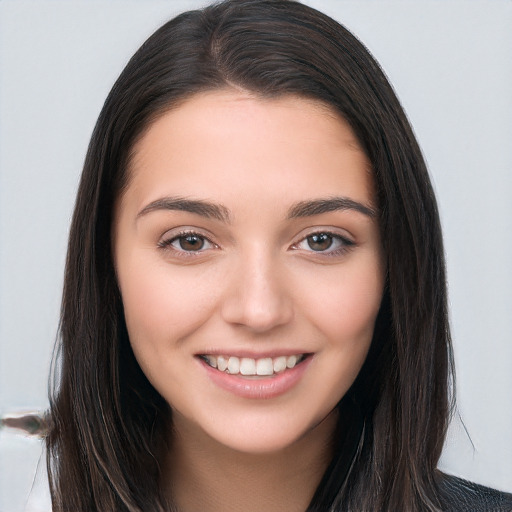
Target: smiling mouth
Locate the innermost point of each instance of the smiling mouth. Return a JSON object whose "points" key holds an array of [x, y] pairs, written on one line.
{"points": [[246, 366]]}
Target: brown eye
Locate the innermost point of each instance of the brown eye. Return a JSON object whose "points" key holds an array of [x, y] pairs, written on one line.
{"points": [[319, 241], [187, 243], [190, 242], [324, 243]]}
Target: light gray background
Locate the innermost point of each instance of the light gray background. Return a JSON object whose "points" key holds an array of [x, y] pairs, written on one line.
{"points": [[450, 62]]}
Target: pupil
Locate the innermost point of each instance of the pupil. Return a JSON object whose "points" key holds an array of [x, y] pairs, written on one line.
{"points": [[320, 242], [191, 243]]}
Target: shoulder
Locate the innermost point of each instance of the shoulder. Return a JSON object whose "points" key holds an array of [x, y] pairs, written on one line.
{"points": [[458, 495]]}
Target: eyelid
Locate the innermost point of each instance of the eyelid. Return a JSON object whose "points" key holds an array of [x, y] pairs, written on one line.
{"points": [[347, 241], [169, 237]]}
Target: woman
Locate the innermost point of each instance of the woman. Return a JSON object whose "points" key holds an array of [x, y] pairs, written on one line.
{"points": [[255, 271]]}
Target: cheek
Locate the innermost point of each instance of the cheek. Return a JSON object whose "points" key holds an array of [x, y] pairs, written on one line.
{"points": [[162, 307], [345, 319], [343, 312], [346, 306]]}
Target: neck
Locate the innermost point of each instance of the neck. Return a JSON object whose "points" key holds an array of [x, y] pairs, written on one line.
{"points": [[204, 475]]}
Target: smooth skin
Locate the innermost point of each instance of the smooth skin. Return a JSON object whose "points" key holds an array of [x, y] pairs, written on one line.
{"points": [[249, 227]]}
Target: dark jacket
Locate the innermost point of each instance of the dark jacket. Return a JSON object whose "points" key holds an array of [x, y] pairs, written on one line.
{"points": [[459, 495]]}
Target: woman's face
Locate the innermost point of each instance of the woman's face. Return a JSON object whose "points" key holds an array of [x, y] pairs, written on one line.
{"points": [[247, 238]]}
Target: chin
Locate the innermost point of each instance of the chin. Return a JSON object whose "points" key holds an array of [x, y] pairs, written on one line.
{"points": [[261, 432]]}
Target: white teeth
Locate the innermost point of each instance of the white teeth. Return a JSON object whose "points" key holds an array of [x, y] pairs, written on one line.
{"points": [[248, 366], [279, 364], [212, 361], [233, 365], [291, 361], [222, 363], [264, 366]]}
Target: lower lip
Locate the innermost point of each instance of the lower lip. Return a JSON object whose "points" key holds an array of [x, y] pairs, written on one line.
{"points": [[259, 388]]}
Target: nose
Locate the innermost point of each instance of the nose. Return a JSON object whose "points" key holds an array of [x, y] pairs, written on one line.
{"points": [[256, 296]]}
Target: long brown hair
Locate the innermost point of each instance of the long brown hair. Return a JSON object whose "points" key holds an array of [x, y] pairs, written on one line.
{"points": [[108, 428]]}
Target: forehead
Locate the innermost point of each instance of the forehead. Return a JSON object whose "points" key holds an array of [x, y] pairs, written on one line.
{"points": [[232, 137], [246, 107]]}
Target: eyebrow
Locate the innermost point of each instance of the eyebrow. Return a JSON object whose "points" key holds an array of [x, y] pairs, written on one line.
{"points": [[210, 210], [197, 206], [331, 204]]}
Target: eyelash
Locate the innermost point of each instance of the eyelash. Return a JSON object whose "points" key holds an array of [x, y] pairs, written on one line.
{"points": [[167, 244], [345, 244]]}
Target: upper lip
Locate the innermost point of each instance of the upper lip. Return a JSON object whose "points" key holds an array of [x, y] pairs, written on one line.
{"points": [[252, 354]]}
